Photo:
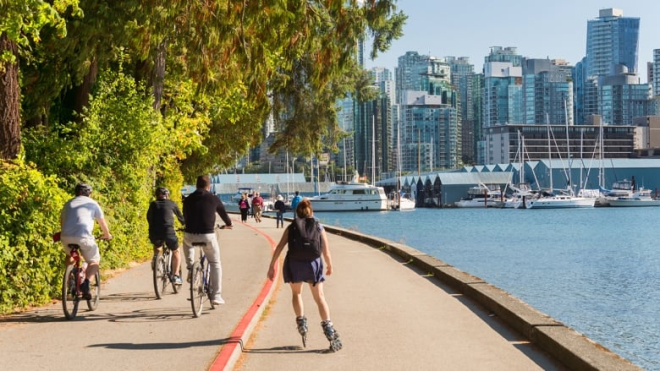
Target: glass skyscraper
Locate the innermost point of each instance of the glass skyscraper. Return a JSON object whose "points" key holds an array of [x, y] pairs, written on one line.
{"points": [[502, 95], [547, 92], [612, 39], [429, 111], [612, 42]]}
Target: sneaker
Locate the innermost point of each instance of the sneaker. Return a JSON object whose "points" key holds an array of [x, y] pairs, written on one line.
{"points": [[84, 287], [189, 276], [177, 281], [217, 301]]}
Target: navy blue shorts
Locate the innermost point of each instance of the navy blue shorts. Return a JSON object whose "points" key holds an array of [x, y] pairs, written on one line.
{"points": [[172, 242], [295, 271]]}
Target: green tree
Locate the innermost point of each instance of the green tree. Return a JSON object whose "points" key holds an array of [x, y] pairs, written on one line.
{"points": [[20, 24]]}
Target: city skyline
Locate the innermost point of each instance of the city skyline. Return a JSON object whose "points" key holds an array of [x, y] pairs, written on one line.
{"points": [[559, 34]]}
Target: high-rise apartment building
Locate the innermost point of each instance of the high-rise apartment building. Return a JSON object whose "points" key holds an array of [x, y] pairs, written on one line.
{"points": [[654, 76], [502, 94], [345, 158], [374, 140], [547, 92], [422, 73], [431, 136], [463, 79], [622, 98], [612, 41]]}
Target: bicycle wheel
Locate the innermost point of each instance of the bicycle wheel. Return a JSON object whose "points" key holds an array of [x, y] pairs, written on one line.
{"points": [[160, 277], [196, 290], [175, 287], [95, 290], [70, 298], [207, 284]]}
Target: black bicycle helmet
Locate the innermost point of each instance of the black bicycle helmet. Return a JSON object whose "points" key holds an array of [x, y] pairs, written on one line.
{"points": [[83, 189], [162, 192]]}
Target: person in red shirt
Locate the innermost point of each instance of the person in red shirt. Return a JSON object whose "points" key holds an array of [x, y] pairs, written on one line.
{"points": [[257, 205]]}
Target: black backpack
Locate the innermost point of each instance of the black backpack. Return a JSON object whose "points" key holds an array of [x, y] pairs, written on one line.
{"points": [[304, 239]]}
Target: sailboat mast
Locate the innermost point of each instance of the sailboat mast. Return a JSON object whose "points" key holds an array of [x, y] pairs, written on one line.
{"points": [[344, 144], [601, 169], [398, 153], [373, 149], [568, 148], [547, 120]]}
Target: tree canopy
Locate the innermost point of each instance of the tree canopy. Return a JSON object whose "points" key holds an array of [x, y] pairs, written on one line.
{"points": [[215, 69]]}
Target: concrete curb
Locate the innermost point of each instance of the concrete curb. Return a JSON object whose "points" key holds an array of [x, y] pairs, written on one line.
{"points": [[231, 352], [574, 350]]}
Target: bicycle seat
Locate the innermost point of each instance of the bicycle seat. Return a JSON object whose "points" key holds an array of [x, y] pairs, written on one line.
{"points": [[199, 243]]}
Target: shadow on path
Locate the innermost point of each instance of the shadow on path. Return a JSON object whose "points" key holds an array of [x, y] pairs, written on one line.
{"points": [[287, 350], [155, 346]]}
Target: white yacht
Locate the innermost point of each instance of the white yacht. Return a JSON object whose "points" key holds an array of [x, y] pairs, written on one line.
{"points": [[639, 198], [561, 200], [620, 188], [522, 194], [482, 196], [402, 203], [351, 196]]}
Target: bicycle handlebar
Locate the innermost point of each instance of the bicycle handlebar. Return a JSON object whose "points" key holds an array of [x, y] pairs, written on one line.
{"points": [[57, 236]]}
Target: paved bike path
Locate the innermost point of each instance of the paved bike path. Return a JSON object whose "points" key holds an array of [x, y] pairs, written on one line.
{"points": [[131, 330], [390, 317]]}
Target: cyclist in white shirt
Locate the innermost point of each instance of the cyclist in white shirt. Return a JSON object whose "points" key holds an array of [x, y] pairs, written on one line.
{"points": [[77, 222]]}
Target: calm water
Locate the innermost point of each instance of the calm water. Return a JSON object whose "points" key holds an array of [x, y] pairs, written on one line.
{"points": [[595, 270]]}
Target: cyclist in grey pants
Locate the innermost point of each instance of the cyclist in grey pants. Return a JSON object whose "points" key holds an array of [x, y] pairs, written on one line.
{"points": [[199, 212]]}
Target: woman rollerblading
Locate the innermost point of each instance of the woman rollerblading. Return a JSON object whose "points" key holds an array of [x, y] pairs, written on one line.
{"points": [[307, 254]]}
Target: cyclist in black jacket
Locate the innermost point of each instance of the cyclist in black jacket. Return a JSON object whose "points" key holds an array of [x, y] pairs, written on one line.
{"points": [[199, 210], [161, 227]]}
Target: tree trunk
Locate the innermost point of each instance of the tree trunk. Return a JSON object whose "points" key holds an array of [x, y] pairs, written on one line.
{"points": [[85, 88], [10, 119], [159, 74]]}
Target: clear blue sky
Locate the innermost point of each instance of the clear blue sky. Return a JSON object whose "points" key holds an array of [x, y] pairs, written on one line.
{"points": [[556, 29]]}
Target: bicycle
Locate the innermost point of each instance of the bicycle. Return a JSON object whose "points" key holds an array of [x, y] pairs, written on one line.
{"points": [[162, 272], [200, 282], [74, 276]]}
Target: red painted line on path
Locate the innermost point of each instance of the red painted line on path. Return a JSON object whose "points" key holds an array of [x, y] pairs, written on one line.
{"points": [[235, 339]]}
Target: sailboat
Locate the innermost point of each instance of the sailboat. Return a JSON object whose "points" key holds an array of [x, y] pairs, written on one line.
{"points": [[400, 202], [522, 192], [564, 198]]}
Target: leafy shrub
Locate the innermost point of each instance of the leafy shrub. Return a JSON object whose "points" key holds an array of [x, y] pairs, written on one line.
{"points": [[30, 263], [122, 149]]}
